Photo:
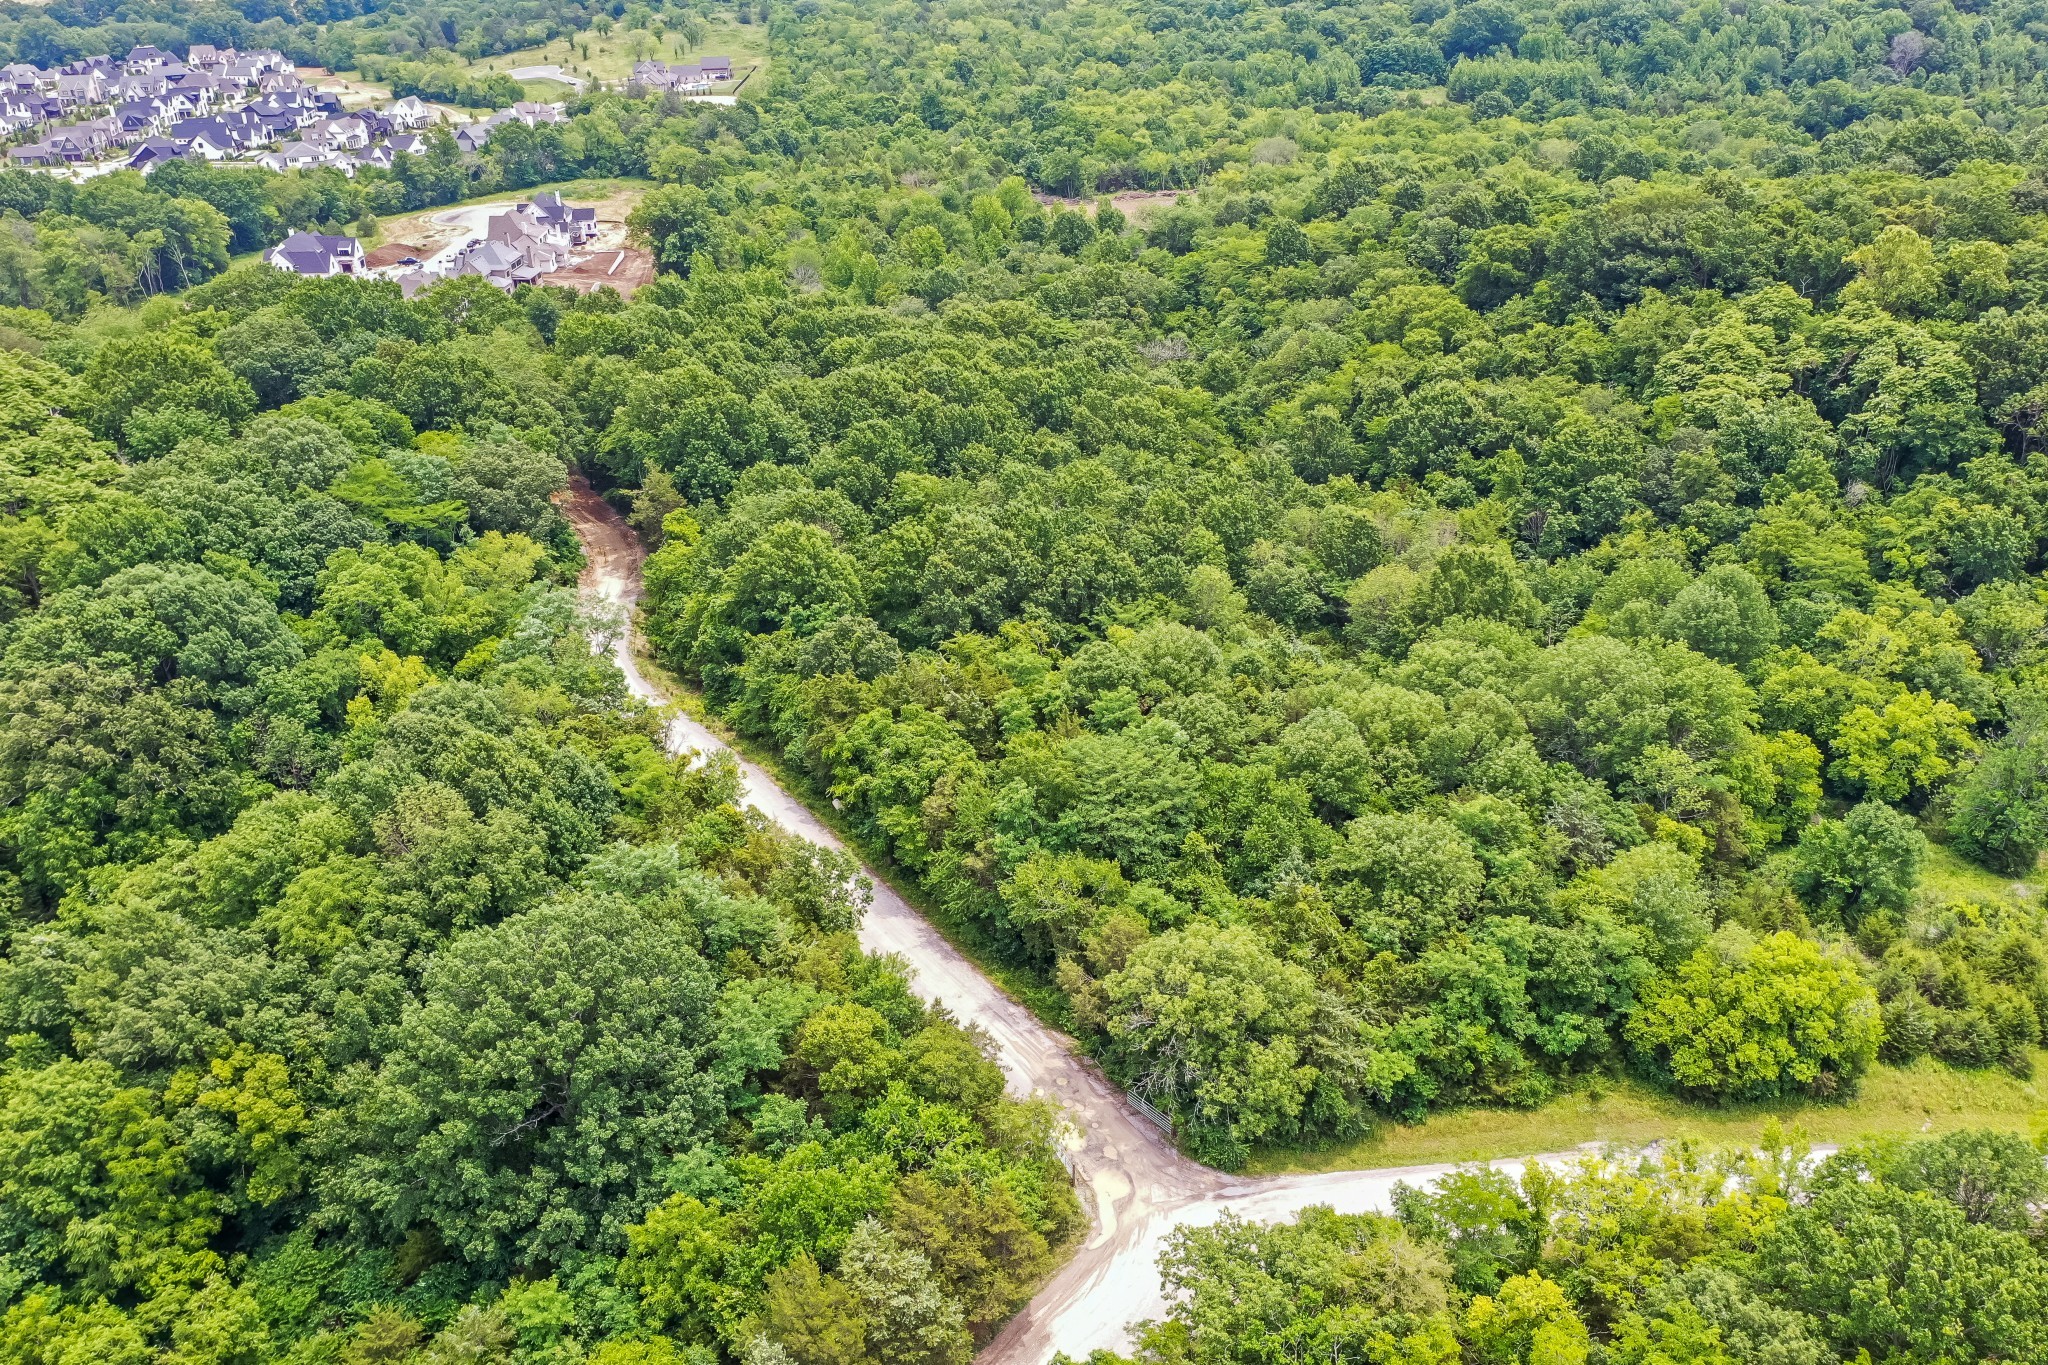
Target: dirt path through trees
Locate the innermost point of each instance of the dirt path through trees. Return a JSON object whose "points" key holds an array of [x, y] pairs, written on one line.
{"points": [[1138, 1188]]}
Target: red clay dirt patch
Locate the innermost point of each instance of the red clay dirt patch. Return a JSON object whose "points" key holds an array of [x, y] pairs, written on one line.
{"points": [[624, 270]]}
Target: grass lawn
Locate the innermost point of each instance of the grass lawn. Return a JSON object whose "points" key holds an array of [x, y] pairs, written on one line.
{"points": [[610, 57], [1949, 876], [543, 91], [1924, 1097]]}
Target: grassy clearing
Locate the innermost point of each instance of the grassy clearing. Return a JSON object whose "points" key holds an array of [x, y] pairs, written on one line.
{"points": [[610, 57], [1947, 875], [544, 91], [1926, 1097]]}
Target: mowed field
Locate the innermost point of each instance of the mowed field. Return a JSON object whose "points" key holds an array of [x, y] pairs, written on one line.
{"points": [[1907, 1101], [610, 57]]}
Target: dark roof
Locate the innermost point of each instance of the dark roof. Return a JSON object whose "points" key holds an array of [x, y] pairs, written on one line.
{"points": [[193, 127], [154, 149], [310, 252]]}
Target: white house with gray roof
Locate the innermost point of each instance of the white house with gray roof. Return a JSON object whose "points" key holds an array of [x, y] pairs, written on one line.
{"points": [[316, 256]]}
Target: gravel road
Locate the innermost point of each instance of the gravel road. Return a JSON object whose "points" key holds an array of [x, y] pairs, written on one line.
{"points": [[1138, 1188]]}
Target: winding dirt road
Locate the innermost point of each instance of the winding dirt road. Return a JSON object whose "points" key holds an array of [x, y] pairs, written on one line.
{"points": [[1136, 1185]]}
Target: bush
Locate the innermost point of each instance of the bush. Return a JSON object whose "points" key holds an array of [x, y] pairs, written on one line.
{"points": [[2000, 811], [1748, 1018], [1863, 864]]}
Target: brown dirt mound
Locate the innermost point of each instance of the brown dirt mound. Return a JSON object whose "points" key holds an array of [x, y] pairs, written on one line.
{"points": [[391, 253]]}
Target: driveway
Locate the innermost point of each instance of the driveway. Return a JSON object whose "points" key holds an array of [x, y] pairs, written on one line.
{"points": [[462, 226], [551, 72]]}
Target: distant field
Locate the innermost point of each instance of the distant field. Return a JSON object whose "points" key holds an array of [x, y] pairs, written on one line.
{"points": [[610, 57]]}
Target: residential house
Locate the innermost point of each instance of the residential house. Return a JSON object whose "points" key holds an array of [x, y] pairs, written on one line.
{"points": [[78, 142], [203, 89], [19, 110], [567, 223], [339, 134], [499, 263], [521, 233], [20, 76], [138, 119], [84, 140], [316, 256], [409, 113], [35, 154], [383, 154], [145, 58], [273, 109], [683, 79], [471, 137], [272, 128], [184, 103], [206, 57], [716, 68], [81, 88], [209, 139], [532, 114], [295, 156], [140, 86], [154, 152]]}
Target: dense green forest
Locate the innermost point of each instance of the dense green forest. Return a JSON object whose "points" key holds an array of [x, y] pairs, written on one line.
{"points": [[376, 987], [1636, 1261], [1486, 590], [1497, 563]]}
